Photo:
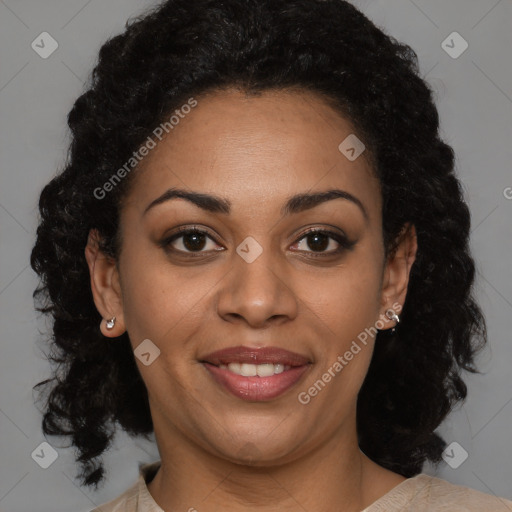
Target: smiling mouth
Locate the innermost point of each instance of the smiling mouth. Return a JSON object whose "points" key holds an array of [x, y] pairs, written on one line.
{"points": [[256, 374]]}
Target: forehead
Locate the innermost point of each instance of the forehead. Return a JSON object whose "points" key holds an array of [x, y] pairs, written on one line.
{"points": [[255, 150]]}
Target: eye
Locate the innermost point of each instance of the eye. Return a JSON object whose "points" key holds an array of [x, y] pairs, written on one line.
{"points": [[318, 240], [193, 240], [189, 240]]}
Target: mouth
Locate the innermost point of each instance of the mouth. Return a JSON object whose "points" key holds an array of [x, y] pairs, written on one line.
{"points": [[256, 374]]}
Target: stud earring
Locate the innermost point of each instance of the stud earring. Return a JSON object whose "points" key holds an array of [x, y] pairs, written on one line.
{"points": [[390, 313], [110, 323]]}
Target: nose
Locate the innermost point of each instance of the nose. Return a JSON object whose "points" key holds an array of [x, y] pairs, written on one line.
{"points": [[258, 293]]}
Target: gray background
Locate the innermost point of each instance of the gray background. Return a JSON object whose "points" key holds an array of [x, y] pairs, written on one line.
{"points": [[474, 97]]}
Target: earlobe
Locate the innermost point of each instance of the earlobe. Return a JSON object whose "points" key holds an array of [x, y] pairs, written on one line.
{"points": [[105, 288], [397, 273]]}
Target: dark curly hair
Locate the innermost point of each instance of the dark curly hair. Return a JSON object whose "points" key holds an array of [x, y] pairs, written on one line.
{"points": [[184, 48]]}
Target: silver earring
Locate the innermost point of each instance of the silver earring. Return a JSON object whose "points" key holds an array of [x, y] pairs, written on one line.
{"points": [[110, 323], [390, 313]]}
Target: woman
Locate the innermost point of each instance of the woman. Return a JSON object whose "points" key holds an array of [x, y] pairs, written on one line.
{"points": [[259, 251]]}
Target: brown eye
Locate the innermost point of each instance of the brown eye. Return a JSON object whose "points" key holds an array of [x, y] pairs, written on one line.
{"points": [[319, 240], [189, 241], [194, 241]]}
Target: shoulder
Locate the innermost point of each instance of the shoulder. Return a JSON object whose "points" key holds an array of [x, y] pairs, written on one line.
{"points": [[126, 502], [137, 497], [458, 497], [425, 493]]}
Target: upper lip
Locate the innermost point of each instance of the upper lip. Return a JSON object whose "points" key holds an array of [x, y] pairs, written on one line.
{"points": [[248, 355]]}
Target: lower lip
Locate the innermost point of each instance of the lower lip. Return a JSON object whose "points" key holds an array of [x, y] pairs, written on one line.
{"points": [[257, 389]]}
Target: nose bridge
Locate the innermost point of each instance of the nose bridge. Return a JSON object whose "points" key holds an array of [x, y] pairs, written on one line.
{"points": [[256, 266], [255, 290]]}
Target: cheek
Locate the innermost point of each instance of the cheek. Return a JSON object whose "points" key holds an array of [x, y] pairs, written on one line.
{"points": [[347, 300], [347, 310], [162, 302]]}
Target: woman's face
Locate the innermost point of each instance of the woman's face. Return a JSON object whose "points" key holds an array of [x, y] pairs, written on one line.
{"points": [[255, 278]]}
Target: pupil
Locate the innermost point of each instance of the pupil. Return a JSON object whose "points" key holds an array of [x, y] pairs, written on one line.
{"points": [[316, 245], [198, 241]]}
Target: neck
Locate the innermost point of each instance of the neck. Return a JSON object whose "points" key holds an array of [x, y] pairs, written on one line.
{"points": [[323, 479]]}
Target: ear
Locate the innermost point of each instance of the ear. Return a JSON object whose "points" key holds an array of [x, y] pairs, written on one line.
{"points": [[396, 274], [105, 286]]}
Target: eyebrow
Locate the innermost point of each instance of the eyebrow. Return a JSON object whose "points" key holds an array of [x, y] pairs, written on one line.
{"points": [[295, 204]]}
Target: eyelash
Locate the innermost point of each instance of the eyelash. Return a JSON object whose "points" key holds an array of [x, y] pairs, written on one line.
{"points": [[344, 243]]}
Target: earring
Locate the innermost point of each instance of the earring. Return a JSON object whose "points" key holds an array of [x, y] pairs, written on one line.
{"points": [[390, 313], [110, 323]]}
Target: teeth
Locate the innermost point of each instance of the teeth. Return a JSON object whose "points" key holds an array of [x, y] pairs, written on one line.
{"points": [[279, 368], [265, 370], [246, 370], [251, 370]]}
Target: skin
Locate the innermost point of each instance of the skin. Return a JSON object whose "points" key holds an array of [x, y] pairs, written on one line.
{"points": [[218, 451]]}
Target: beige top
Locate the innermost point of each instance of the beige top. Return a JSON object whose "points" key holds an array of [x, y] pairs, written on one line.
{"points": [[421, 493]]}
